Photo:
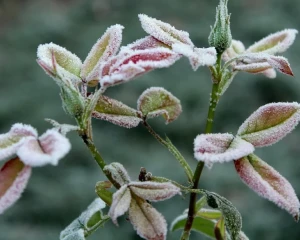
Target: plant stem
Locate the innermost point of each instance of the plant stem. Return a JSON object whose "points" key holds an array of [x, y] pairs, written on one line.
{"points": [[214, 98], [173, 150]]}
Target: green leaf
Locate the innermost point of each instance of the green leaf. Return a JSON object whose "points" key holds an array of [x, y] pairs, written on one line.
{"points": [[200, 225], [86, 223], [209, 213], [220, 230], [103, 193], [233, 219], [157, 101], [200, 203], [116, 112]]}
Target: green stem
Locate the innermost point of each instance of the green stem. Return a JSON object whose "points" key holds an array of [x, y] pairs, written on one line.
{"points": [[214, 98], [173, 150]]}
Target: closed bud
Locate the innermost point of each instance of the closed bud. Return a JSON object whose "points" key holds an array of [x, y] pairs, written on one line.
{"points": [[73, 102], [220, 35]]}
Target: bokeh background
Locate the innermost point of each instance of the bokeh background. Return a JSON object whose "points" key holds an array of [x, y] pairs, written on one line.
{"points": [[56, 195]]}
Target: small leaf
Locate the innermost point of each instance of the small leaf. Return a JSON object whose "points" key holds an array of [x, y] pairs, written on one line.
{"points": [[131, 63], [200, 203], [220, 230], [116, 112], [212, 148], [146, 220], [11, 141], [164, 32], [14, 176], [145, 43], [103, 193], [268, 183], [157, 101], [118, 173], [86, 223], [120, 204], [209, 213], [270, 123], [105, 47], [48, 149], [233, 219], [67, 63], [153, 191], [236, 48], [200, 225], [197, 56], [253, 67], [275, 43]]}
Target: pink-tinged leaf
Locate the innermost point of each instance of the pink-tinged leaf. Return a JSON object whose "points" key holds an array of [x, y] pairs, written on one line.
{"points": [[269, 73], [146, 43], [270, 123], [105, 47], [257, 61], [146, 220], [131, 63], [275, 43], [212, 148], [164, 32], [67, 63], [153, 191], [157, 101], [197, 56], [236, 48], [268, 183], [11, 141], [118, 173], [48, 149], [220, 230], [116, 112], [120, 204], [14, 176]]}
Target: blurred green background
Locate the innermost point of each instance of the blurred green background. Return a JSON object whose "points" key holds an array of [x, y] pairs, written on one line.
{"points": [[56, 195]]}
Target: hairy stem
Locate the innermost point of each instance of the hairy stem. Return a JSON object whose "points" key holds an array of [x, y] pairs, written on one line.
{"points": [[173, 150], [214, 98]]}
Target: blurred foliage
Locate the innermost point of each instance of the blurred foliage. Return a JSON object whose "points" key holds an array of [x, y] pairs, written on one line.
{"points": [[55, 196]]}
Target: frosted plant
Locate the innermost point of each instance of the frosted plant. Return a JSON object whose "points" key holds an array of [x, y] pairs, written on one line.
{"points": [[108, 64]]}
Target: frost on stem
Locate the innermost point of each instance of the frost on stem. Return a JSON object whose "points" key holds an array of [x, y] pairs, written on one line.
{"points": [[156, 101], [270, 123], [268, 183], [14, 176], [212, 148]]}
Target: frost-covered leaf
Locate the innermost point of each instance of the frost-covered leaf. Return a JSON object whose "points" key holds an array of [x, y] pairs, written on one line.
{"points": [[11, 141], [131, 63], [153, 191], [105, 47], [62, 128], [197, 56], [67, 63], [243, 236], [258, 62], [157, 101], [275, 43], [209, 213], [120, 204], [48, 149], [233, 219], [220, 230], [116, 112], [146, 220], [103, 193], [212, 148], [268, 183], [164, 32], [201, 225], [14, 176], [89, 220], [236, 48], [269, 73], [270, 123], [118, 173], [145, 43]]}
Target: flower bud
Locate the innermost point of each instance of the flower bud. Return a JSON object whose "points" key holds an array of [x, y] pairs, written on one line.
{"points": [[220, 35]]}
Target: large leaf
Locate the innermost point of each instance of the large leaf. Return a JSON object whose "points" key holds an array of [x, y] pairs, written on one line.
{"points": [[270, 123], [116, 112], [201, 225], [268, 183], [157, 101], [86, 223], [14, 176]]}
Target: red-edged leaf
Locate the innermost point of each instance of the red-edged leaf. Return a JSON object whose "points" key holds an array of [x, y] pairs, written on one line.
{"points": [[14, 176], [268, 183], [146, 43], [270, 123]]}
